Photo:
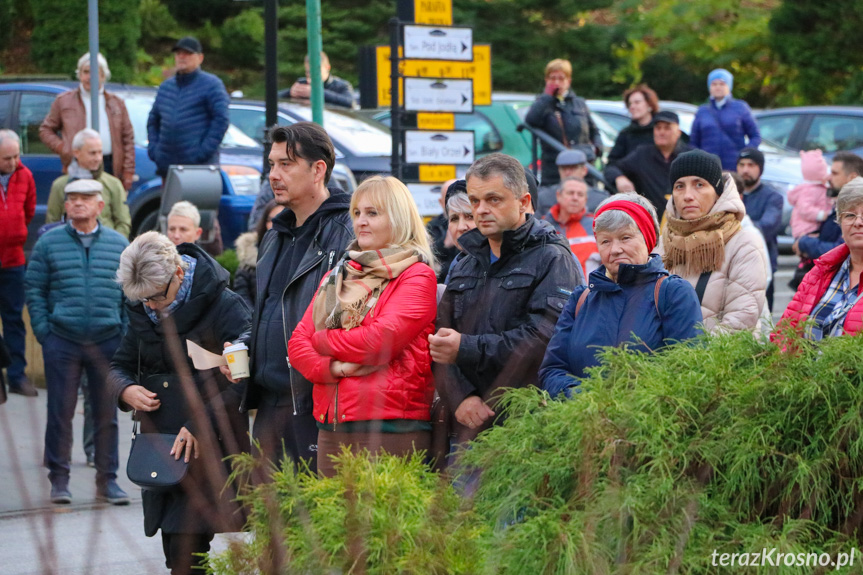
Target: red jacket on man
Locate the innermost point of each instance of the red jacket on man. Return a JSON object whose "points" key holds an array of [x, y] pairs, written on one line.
{"points": [[812, 289], [17, 206], [395, 334]]}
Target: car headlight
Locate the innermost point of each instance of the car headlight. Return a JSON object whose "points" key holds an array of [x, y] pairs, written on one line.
{"points": [[246, 181]]}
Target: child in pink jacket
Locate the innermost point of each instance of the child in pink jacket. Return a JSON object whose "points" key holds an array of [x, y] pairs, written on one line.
{"points": [[809, 199]]}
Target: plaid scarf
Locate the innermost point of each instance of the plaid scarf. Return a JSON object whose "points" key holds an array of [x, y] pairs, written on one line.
{"points": [[698, 245], [356, 283]]}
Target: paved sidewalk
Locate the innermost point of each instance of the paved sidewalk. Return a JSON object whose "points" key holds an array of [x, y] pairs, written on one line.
{"points": [[85, 538]]}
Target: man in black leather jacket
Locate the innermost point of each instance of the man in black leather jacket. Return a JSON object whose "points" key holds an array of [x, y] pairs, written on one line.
{"points": [[502, 301], [307, 239]]}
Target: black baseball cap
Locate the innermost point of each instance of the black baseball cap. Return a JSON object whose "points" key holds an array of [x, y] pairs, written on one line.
{"points": [[666, 116], [189, 44]]}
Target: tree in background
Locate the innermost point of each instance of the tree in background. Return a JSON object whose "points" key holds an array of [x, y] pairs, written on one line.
{"points": [[60, 35], [678, 41], [345, 27], [819, 41], [526, 34]]}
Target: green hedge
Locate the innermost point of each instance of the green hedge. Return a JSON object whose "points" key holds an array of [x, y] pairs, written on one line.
{"points": [[662, 464]]}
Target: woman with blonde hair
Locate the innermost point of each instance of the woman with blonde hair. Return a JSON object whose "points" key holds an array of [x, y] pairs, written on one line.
{"points": [[363, 341]]}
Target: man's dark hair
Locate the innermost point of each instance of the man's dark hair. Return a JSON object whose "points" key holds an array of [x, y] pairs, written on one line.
{"points": [[851, 162], [498, 164], [305, 140]]}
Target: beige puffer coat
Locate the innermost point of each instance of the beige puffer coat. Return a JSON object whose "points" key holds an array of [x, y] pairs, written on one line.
{"points": [[735, 296]]}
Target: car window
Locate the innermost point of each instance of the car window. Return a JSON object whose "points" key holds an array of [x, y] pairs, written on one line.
{"points": [[31, 111], [834, 133], [5, 108], [359, 136], [486, 138], [777, 129], [616, 121], [251, 122]]}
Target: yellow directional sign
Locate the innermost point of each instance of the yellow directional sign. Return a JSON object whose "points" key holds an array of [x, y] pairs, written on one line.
{"points": [[436, 12], [429, 173], [479, 70], [433, 121]]}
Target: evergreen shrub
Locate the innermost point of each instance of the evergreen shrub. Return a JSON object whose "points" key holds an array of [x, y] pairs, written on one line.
{"points": [[725, 445]]}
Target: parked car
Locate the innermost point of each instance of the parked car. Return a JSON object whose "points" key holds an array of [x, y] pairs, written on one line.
{"points": [[363, 145], [23, 106], [828, 128]]}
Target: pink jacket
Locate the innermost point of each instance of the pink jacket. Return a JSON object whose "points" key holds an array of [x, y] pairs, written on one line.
{"points": [[811, 207]]}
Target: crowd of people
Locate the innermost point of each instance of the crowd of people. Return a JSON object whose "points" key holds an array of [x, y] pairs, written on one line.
{"points": [[357, 319]]}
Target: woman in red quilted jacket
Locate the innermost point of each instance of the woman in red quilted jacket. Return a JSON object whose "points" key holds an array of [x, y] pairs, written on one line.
{"points": [[830, 294], [363, 341]]}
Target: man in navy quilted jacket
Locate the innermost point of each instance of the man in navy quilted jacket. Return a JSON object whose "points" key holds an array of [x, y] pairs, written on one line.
{"points": [[190, 115]]}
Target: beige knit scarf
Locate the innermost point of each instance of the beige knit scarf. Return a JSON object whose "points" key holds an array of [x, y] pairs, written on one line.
{"points": [[355, 284], [698, 245]]}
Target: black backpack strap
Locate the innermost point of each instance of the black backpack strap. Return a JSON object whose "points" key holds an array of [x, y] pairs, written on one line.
{"points": [[580, 302], [702, 285]]}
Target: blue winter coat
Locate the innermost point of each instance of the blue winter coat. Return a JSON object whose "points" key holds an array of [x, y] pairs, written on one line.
{"points": [[764, 208], [188, 120], [829, 236], [72, 291], [614, 314], [721, 131]]}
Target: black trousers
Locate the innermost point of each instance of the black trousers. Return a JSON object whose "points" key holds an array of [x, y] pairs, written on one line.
{"points": [[179, 549], [282, 434]]}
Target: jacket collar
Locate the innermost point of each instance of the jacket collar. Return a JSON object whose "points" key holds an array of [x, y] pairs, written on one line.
{"points": [[628, 274], [186, 79], [76, 236]]}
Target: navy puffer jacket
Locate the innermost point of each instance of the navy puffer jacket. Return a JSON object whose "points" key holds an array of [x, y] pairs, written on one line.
{"points": [[72, 291], [188, 120], [615, 313]]}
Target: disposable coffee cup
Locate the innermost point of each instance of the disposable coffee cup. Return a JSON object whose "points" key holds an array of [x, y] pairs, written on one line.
{"points": [[237, 356]]}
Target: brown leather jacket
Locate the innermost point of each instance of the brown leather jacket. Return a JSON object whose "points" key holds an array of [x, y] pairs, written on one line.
{"points": [[68, 116]]}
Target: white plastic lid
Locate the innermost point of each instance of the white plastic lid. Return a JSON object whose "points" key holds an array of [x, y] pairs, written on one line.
{"points": [[236, 347]]}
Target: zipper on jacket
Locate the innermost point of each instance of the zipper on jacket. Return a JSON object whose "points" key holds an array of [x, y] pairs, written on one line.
{"points": [[285, 329], [336, 410]]}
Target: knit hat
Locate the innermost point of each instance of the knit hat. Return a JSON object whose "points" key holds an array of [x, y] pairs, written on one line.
{"points": [[752, 154], [813, 166], [721, 74], [698, 163]]}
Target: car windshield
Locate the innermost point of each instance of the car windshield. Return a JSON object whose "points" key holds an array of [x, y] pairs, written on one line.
{"points": [[139, 109], [357, 135]]}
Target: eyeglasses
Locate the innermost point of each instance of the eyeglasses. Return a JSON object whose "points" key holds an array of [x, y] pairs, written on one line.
{"points": [[159, 297], [849, 218]]}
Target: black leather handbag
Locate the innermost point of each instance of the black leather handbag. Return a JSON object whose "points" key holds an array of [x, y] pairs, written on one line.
{"points": [[151, 465]]}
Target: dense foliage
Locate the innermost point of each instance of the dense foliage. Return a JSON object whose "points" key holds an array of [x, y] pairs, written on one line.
{"points": [[60, 35], [728, 445], [385, 517], [819, 43]]}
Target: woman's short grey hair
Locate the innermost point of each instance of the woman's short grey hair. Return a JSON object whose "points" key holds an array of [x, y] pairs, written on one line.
{"points": [[849, 196], [83, 136], [147, 265], [103, 66], [613, 221], [506, 167], [9, 135], [186, 209], [458, 203]]}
